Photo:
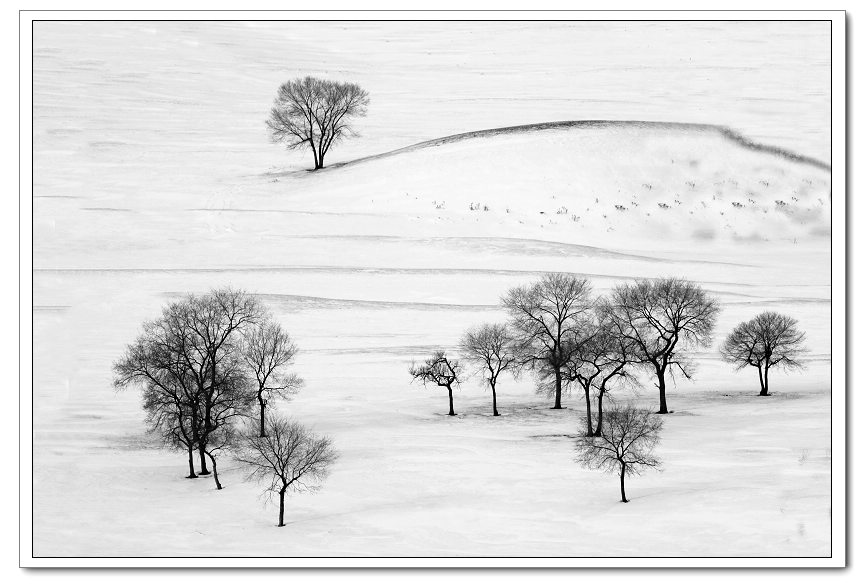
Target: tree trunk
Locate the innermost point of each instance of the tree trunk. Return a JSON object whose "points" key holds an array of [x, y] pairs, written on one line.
{"points": [[281, 508], [495, 408], [191, 463], [622, 483], [762, 384], [586, 389], [600, 413], [314, 154], [262, 402], [451, 401], [558, 389], [215, 475], [662, 390], [203, 461], [765, 390]]}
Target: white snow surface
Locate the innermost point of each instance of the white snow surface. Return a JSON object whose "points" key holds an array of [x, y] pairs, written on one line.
{"points": [[147, 186]]}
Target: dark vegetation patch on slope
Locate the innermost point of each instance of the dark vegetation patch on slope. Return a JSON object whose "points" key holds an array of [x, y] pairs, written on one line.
{"points": [[726, 132]]}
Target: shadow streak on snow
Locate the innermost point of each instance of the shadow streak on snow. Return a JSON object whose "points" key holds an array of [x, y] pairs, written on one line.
{"points": [[300, 303]]}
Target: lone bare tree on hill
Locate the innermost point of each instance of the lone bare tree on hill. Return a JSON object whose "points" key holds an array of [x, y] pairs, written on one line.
{"points": [[315, 113], [289, 457], [267, 350], [625, 445], [490, 347], [663, 318], [441, 371], [767, 340], [544, 317]]}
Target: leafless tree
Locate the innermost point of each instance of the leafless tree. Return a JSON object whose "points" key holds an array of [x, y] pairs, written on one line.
{"points": [[626, 444], [267, 350], [158, 361], [218, 321], [441, 371], [490, 347], [767, 340], [289, 457], [600, 357], [223, 440], [544, 317], [663, 318], [315, 113], [188, 362]]}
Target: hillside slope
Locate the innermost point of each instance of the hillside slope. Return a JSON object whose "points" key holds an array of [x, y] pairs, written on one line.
{"points": [[590, 178]]}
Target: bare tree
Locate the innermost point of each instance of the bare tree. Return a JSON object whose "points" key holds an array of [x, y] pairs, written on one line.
{"points": [[170, 418], [767, 340], [544, 317], [218, 321], [663, 318], [222, 440], [267, 350], [289, 457], [600, 358], [315, 113], [490, 347], [441, 371], [158, 360], [188, 362], [626, 444]]}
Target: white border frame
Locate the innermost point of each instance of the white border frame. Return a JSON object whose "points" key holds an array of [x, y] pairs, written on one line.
{"points": [[838, 302]]}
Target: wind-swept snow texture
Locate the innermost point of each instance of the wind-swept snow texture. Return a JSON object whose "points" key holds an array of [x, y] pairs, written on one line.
{"points": [[153, 178]]}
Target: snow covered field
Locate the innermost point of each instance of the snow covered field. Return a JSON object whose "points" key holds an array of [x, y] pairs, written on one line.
{"points": [[153, 178]]}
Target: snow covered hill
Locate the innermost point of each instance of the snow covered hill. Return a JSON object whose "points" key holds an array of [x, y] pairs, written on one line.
{"points": [[371, 264]]}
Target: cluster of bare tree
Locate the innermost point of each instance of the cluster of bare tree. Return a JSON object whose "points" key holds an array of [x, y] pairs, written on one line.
{"points": [[569, 338], [209, 366]]}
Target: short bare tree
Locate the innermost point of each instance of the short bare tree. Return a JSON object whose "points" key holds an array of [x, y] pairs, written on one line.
{"points": [[663, 318], [490, 348], [441, 371], [544, 317], [626, 444], [289, 457], [315, 113], [267, 350], [767, 340]]}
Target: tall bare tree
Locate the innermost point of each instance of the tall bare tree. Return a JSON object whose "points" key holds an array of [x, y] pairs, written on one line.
{"points": [[767, 340], [315, 113], [438, 369], [544, 317], [218, 320], [289, 457], [663, 318], [160, 361], [600, 357], [267, 350], [626, 444], [490, 347]]}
